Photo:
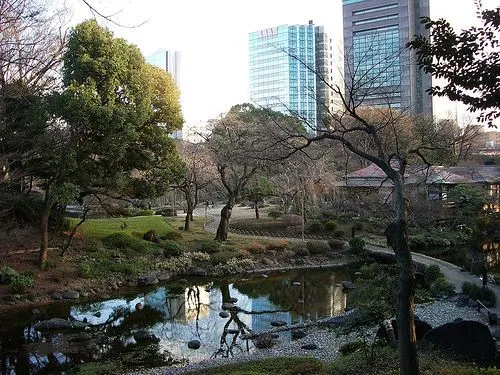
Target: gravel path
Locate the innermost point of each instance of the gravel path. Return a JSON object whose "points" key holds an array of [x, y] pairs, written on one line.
{"points": [[329, 342]]}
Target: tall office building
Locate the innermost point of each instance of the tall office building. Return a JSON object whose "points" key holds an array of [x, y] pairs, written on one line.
{"points": [[379, 70], [169, 61], [283, 66]]}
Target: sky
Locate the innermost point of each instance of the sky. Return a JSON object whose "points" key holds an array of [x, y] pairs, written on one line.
{"points": [[212, 37]]}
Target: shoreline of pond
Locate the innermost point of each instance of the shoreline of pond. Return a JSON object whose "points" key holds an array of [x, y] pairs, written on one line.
{"points": [[102, 289]]}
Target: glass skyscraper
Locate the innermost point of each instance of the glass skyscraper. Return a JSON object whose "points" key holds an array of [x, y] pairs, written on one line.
{"points": [[379, 70], [288, 69]]}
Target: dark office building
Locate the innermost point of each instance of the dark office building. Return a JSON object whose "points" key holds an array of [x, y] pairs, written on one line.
{"points": [[379, 70]]}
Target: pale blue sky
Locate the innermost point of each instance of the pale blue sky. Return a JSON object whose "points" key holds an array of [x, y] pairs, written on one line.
{"points": [[212, 37]]}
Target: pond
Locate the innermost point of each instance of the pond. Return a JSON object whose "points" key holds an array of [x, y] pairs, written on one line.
{"points": [[154, 327]]}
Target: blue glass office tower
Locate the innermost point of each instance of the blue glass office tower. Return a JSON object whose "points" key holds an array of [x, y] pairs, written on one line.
{"points": [[379, 70], [282, 63]]}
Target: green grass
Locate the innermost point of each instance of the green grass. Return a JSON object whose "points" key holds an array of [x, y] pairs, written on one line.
{"points": [[269, 366], [99, 228], [382, 361]]}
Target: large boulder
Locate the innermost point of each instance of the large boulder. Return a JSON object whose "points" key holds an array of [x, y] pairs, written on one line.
{"points": [[421, 328], [469, 338], [341, 320]]}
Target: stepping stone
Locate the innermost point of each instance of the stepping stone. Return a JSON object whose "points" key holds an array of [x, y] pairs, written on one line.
{"points": [[232, 331], [224, 314], [194, 344], [233, 299], [57, 296], [298, 334], [71, 294], [310, 346]]}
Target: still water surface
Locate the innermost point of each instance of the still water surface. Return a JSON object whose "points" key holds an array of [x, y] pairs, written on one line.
{"points": [[154, 327]]}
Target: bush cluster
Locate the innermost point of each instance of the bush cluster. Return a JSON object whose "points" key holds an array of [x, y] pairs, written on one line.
{"points": [[255, 247], [300, 250], [21, 283], [484, 294], [7, 274], [275, 214], [173, 236], [278, 245], [211, 246], [336, 244], [315, 227], [172, 248], [330, 226], [130, 245], [357, 245], [317, 247]]}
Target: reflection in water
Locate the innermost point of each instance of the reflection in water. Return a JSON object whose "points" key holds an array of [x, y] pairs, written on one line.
{"points": [[170, 318]]}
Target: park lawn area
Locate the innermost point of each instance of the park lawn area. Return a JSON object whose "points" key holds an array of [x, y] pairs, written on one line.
{"points": [[269, 366], [99, 228]]}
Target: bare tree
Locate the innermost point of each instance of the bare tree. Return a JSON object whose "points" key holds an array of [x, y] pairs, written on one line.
{"points": [[385, 136], [199, 172], [31, 44]]}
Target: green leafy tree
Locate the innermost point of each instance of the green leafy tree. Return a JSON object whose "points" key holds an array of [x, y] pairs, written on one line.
{"points": [[469, 202], [107, 130], [258, 188], [469, 61]]}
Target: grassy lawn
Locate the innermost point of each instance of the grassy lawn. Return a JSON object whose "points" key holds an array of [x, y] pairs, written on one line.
{"points": [[270, 366], [99, 228], [383, 361]]}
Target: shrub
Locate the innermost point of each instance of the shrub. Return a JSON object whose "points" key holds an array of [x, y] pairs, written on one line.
{"points": [[358, 225], [150, 236], [330, 225], [278, 245], [211, 246], [336, 244], [431, 273], [315, 227], [221, 257], [93, 245], [317, 247], [129, 244], [7, 274], [357, 245], [143, 213], [301, 250], [84, 269], [232, 266], [292, 220], [172, 248], [275, 214], [173, 236], [255, 247], [484, 294], [21, 283], [351, 347], [441, 287], [339, 234]]}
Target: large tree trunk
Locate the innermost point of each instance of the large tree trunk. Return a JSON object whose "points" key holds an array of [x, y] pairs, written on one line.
{"points": [[189, 215], [225, 215], [44, 229], [397, 238], [257, 216]]}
